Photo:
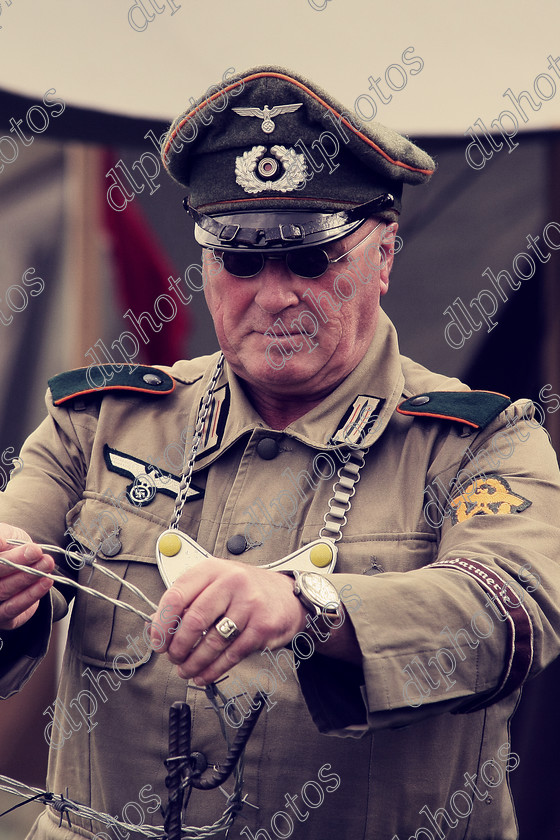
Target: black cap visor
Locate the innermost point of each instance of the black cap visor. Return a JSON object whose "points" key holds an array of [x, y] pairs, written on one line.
{"points": [[274, 231]]}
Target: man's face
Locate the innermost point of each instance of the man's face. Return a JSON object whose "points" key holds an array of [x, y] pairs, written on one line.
{"points": [[243, 310]]}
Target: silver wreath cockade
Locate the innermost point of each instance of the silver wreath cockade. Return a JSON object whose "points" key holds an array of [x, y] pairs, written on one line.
{"points": [[293, 177]]}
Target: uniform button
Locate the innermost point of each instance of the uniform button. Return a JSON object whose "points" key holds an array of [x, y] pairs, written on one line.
{"points": [[420, 401], [170, 545], [236, 544], [267, 449], [321, 555], [490, 776], [151, 379], [111, 546]]}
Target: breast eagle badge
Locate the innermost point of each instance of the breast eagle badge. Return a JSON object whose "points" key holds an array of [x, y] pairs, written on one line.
{"points": [[293, 177], [147, 479], [265, 114], [487, 496]]}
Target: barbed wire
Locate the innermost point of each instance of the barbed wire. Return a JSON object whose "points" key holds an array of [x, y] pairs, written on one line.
{"points": [[63, 805]]}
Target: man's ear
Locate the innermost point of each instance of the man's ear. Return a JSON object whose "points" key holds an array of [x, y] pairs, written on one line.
{"points": [[387, 254]]}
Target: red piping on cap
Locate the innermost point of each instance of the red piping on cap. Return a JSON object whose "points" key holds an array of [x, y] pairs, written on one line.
{"points": [[310, 93]]}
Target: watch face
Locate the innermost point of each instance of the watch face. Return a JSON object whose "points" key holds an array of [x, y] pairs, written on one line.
{"points": [[319, 589]]}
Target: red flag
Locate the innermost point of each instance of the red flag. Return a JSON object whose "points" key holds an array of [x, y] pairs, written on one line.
{"points": [[142, 271]]}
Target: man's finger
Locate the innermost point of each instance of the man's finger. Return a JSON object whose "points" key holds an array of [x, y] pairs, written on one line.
{"points": [[17, 581], [23, 555], [204, 655], [180, 597], [13, 612], [239, 649], [200, 616]]}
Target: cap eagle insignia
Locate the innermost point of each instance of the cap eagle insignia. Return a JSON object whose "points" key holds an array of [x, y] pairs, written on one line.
{"points": [[266, 114]]}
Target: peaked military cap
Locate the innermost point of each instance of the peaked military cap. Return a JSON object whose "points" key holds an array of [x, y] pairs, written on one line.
{"points": [[271, 142]]}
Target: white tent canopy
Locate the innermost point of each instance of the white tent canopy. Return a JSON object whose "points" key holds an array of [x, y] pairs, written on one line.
{"points": [[442, 66]]}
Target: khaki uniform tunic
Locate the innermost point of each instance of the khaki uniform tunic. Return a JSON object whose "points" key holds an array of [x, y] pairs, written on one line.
{"points": [[416, 745]]}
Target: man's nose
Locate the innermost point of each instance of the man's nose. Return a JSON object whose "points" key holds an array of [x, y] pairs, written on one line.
{"points": [[277, 287]]}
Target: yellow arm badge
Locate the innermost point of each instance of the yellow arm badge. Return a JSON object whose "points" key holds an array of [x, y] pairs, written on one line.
{"points": [[486, 495]]}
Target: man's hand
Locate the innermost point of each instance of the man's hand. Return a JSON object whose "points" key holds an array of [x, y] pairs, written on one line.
{"points": [[260, 602], [20, 593]]}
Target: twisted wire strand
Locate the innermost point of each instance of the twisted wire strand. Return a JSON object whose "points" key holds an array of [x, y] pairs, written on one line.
{"points": [[62, 804], [178, 764], [85, 560], [110, 574], [89, 590]]}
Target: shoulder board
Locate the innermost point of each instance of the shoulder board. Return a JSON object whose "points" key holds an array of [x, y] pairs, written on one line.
{"points": [[97, 379], [474, 408]]}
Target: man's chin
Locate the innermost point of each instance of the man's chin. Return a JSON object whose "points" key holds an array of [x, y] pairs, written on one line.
{"points": [[278, 370]]}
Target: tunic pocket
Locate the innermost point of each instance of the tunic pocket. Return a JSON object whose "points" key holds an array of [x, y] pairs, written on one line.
{"points": [[100, 632]]}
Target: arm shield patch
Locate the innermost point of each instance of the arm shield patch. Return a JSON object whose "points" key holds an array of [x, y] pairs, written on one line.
{"points": [[491, 496]]}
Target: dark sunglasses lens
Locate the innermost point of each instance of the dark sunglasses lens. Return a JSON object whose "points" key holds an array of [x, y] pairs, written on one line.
{"points": [[309, 262], [242, 265]]}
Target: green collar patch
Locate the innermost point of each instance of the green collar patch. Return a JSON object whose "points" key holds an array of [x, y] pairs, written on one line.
{"points": [[474, 408], [98, 379]]}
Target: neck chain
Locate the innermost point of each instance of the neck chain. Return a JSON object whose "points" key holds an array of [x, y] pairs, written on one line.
{"points": [[199, 428], [343, 489]]}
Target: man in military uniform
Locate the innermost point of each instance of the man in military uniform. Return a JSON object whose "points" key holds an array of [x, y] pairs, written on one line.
{"points": [[437, 503]]}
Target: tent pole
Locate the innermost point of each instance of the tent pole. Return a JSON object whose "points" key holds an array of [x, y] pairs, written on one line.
{"points": [[551, 342], [83, 274]]}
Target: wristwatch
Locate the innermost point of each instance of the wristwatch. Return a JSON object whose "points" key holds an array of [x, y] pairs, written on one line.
{"points": [[316, 593]]}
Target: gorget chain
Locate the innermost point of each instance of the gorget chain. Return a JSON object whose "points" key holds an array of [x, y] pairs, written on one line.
{"points": [[343, 489], [186, 476]]}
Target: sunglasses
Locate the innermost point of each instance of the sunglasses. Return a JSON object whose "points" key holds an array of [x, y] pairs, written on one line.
{"points": [[310, 262]]}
